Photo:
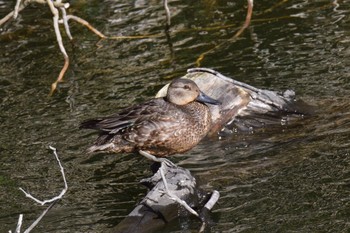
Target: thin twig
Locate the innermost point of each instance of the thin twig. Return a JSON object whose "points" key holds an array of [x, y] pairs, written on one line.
{"points": [[247, 19], [135, 37], [60, 44], [19, 223], [54, 5], [86, 24], [166, 162], [60, 76], [65, 22], [58, 197], [52, 201], [208, 206], [7, 17], [167, 11], [12, 13], [18, 3], [173, 196], [212, 201], [31, 227]]}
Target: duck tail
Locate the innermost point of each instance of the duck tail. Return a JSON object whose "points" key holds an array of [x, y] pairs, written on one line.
{"points": [[104, 147], [110, 143], [103, 143]]}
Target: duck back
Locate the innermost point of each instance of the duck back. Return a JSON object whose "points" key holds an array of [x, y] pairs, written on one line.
{"points": [[158, 127]]}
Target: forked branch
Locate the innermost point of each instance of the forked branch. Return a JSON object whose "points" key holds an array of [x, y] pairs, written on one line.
{"points": [[51, 201]]}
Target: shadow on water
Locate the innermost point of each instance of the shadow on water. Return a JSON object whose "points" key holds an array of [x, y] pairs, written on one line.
{"points": [[288, 178]]}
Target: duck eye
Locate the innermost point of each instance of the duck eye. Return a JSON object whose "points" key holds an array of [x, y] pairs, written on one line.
{"points": [[187, 87]]}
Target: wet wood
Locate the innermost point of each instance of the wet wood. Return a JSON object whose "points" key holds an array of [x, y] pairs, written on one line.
{"points": [[157, 209], [243, 107]]}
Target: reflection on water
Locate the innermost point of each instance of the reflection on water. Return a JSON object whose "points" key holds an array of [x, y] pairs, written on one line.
{"points": [[290, 178]]}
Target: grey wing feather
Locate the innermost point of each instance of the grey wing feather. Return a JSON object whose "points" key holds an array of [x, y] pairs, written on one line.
{"points": [[126, 118]]}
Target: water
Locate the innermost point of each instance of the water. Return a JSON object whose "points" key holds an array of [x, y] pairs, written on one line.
{"points": [[290, 178]]}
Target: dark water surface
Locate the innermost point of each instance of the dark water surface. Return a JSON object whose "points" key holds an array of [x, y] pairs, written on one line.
{"points": [[292, 178]]}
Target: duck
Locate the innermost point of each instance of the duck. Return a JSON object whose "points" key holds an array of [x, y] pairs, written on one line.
{"points": [[160, 126]]}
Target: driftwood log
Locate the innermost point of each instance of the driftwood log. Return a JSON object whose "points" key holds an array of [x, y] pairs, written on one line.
{"points": [[157, 208], [243, 107]]}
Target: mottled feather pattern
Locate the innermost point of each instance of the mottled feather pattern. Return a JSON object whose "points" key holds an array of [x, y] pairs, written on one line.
{"points": [[157, 126], [149, 128]]}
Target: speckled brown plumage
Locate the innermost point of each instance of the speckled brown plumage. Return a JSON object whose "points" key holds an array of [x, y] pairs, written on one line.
{"points": [[157, 126]]}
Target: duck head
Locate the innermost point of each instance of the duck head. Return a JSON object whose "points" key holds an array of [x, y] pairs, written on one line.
{"points": [[184, 91]]}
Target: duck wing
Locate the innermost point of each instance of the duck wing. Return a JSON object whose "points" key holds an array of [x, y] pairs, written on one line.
{"points": [[127, 117]]}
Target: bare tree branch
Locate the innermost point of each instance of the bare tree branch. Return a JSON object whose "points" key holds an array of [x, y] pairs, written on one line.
{"points": [[19, 224], [54, 5], [60, 44], [167, 11], [86, 24], [58, 197], [52, 201], [20, 5], [31, 227], [15, 14], [65, 22]]}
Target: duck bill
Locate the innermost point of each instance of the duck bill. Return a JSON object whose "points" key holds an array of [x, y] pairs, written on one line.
{"points": [[203, 98]]}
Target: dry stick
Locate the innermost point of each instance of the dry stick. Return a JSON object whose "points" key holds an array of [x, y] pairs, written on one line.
{"points": [[8, 17], [53, 7], [134, 37], [275, 6], [19, 224], [238, 33], [57, 3], [24, 4], [166, 162], [58, 197], [53, 200], [54, 11], [18, 3], [60, 44], [247, 19], [212, 201], [167, 11], [209, 205], [87, 24], [102, 36], [173, 196], [12, 13], [31, 227], [65, 22]]}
